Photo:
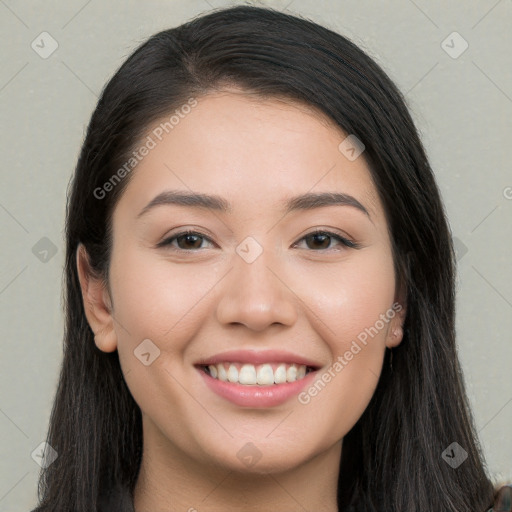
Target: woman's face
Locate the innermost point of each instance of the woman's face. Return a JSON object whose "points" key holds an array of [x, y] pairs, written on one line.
{"points": [[252, 294]]}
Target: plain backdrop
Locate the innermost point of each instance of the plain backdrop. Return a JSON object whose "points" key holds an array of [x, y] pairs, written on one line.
{"points": [[460, 98]]}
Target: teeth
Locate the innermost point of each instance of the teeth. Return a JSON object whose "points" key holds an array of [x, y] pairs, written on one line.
{"points": [[232, 373], [280, 374], [263, 375], [221, 372], [291, 373], [247, 374]]}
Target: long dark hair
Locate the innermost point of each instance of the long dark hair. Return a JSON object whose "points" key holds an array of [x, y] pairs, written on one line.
{"points": [[391, 459]]}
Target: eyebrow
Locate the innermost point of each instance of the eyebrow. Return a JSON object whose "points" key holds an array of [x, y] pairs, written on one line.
{"points": [[307, 201]]}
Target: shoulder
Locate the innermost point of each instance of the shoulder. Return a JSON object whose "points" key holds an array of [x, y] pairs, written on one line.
{"points": [[502, 499]]}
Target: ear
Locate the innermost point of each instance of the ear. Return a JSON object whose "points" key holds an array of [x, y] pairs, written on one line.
{"points": [[97, 303], [395, 332]]}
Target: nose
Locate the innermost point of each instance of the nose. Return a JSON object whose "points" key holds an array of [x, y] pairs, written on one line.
{"points": [[256, 295]]}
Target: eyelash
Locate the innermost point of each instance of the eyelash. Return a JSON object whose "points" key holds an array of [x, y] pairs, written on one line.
{"points": [[347, 243]]}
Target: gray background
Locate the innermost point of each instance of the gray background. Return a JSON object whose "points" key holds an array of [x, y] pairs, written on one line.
{"points": [[462, 107]]}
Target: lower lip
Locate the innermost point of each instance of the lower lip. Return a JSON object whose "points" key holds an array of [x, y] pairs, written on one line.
{"points": [[256, 396]]}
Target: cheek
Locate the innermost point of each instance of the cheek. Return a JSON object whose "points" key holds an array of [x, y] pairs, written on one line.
{"points": [[353, 309], [158, 299], [350, 299]]}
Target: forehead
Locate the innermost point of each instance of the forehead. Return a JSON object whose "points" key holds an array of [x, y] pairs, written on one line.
{"points": [[255, 152]]}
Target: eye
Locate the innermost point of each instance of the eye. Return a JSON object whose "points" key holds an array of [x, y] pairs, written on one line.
{"points": [[191, 240], [321, 240], [186, 240]]}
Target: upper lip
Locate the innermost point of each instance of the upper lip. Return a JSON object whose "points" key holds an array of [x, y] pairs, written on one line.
{"points": [[258, 357]]}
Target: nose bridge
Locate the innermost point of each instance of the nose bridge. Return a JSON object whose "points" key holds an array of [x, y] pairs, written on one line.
{"points": [[253, 295]]}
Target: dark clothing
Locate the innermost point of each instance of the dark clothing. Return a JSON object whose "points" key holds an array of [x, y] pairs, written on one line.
{"points": [[503, 501]]}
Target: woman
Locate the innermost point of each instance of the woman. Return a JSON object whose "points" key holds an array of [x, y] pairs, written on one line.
{"points": [[260, 288]]}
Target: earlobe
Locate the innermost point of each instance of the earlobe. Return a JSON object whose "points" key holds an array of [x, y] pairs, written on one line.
{"points": [[395, 337], [396, 331], [97, 303]]}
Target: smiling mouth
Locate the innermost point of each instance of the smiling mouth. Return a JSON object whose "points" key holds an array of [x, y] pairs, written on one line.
{"points": [[267, 374]]}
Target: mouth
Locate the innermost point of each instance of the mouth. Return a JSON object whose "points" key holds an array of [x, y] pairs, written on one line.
{"points": [[257, 379], [266, 374]]}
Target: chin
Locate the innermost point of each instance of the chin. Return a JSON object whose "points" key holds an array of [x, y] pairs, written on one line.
{"points": [[247, 457]]}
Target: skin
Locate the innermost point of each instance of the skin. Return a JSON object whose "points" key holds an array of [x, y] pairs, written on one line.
{"points": [[201, 299]]}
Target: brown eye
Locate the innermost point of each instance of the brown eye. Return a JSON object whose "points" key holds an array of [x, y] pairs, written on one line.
{"points": [[185, 241], [189, 241], [321, 240]]}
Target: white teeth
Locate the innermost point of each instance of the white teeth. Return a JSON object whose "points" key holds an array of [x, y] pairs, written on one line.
{"points": [[221, 373], [263, 375], [291, 373], [280, 374], [232, 373], [247, 374]]}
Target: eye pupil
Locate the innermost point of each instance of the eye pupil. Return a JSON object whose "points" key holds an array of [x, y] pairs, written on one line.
{"points": [[189, 237], [321, 235]]}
